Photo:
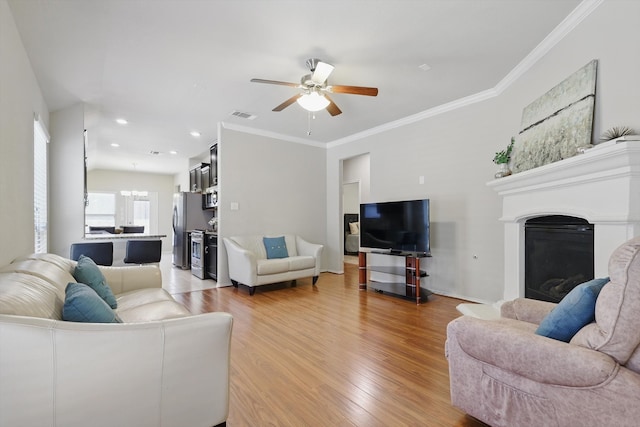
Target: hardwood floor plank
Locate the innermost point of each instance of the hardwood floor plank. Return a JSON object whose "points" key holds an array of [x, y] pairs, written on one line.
{"points": [[331, 355]]}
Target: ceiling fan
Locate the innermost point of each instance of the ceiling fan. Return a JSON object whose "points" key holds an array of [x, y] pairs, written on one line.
{"points": [[314, 89]]}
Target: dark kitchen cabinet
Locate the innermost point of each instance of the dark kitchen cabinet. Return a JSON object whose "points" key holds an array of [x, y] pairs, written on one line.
{"points": [[205, 172], [213, 165], [193, 180], [212, 255], [195, 177]]}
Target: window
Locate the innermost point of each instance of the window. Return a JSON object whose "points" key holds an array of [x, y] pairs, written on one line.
{"points": [[40, 215], [137, 209], [117, 209], [141, 211], [100, 210]]}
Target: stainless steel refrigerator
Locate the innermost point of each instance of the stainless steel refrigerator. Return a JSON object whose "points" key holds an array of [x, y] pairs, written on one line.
{"points": [[187, 216]]}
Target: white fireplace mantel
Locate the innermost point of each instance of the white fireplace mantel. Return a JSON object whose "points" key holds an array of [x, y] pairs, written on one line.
{"points": [[602, 186]]}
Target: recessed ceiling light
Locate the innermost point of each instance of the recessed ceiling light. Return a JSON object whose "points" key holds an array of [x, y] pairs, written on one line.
{"points": [[424, 67], [195, 133], [173, 152], [115, 144], [121, 121]]}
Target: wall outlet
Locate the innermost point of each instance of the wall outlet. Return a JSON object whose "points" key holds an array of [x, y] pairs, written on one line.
{"points": [[234, 206], [421, 179]]}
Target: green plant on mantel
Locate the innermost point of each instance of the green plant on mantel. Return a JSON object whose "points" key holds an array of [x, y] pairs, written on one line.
{"points": [[505, 155]]}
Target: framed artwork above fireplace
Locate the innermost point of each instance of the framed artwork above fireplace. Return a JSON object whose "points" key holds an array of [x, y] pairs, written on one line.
{"points": [[559, 123]]}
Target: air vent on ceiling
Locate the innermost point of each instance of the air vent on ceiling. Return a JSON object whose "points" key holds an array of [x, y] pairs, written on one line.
{"points": [[243, 115]]}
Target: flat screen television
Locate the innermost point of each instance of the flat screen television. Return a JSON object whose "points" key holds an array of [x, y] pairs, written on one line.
{"points": [[397, 227]]}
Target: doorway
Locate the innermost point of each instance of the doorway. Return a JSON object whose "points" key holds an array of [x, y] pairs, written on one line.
{"points": [[355, 190], [350, 213]]}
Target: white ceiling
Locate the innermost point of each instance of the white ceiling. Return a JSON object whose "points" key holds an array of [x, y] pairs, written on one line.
{"points": [[173, 66]]}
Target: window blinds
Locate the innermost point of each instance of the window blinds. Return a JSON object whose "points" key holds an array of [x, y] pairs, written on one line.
{"points": [[40, 216]]}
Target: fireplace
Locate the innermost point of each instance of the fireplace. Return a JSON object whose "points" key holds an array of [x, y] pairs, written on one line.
{"points": [[558, 252], [601, 186]]}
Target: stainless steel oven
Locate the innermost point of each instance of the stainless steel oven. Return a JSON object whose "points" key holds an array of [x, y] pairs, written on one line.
{"points": [[198, 257]]}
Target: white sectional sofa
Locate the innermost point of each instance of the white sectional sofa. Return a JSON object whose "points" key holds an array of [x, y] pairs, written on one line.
{"points": [[249, 264], [161, 366]]}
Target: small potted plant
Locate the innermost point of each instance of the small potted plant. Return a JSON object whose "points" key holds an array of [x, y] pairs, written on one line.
{"points": [[502, 159], [616, 132]]}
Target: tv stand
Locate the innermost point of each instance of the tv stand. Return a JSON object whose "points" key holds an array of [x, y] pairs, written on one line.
{"points": [[408, 289]]}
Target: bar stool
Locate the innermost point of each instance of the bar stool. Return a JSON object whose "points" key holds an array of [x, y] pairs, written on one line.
{"points": [[100, 252], [143, 251]]}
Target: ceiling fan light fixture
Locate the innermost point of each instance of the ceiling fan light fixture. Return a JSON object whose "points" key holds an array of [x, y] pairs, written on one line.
{"points": [[314, 95], [313, 101]]}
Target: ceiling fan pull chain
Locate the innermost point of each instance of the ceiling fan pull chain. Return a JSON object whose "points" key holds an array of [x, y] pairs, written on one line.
{"points": [[310, 115]]}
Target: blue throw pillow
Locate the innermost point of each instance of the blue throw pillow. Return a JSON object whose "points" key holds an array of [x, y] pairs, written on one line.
{"points": [[276, 247], [83, 304], [576, 310], [89, 273]]}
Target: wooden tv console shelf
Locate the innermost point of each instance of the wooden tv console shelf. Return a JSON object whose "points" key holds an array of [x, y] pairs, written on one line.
{"points": [[408, 289]]}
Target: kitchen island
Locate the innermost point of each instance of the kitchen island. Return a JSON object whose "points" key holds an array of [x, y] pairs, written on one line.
{"points": [[120, 242]]}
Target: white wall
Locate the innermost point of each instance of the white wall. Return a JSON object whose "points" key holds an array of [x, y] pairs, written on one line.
{"points": [[66, 179], [20, 98], [279, 187], [464, 211], [163, 185], [351, 198], [358, 169], [181, 180], [453, 151]]}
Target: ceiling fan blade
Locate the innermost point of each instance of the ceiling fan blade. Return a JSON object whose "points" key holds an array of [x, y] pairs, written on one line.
{"points": [[321, 72], [288, 102], [332, 108], [275, 82], [355, 90]]}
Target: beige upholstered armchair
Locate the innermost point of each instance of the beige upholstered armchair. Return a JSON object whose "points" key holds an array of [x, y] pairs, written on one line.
{"points": [[504, 374]]}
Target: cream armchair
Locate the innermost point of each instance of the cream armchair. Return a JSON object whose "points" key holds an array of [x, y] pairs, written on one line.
{"points": [[504, 374], [250, 266]]}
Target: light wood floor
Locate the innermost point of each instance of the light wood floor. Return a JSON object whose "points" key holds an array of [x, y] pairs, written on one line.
{"points": [[331, 355]]}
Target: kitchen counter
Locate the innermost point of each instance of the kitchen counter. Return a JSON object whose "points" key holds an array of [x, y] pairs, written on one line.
{"points": [[122, 236], [207, 232]]}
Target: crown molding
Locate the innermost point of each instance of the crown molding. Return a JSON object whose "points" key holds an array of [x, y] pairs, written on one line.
{"points": [[584, 9], [274, 135], [432, 112]]}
